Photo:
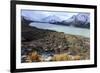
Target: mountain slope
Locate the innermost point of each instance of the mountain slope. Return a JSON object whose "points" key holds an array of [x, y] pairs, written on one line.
{"points": [[80, 20], [51, 19], [52, 42]]}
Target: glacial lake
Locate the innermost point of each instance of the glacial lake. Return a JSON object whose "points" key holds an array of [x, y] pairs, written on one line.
{"points": [[60, 28]]}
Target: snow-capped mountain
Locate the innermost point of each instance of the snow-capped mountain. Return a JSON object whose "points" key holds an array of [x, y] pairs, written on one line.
{"points": [[82, 20], [83, 17], [51, 19], [79, 20], [69, 21]]}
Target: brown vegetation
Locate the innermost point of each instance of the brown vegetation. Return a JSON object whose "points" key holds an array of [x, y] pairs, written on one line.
{"points": [[64, 46]]}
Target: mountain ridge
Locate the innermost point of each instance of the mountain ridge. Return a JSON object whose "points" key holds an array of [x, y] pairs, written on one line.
{"points": [[81, 20]]}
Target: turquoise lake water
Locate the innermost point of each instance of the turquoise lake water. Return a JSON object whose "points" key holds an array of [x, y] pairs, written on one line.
{"points": [[66, 29]]}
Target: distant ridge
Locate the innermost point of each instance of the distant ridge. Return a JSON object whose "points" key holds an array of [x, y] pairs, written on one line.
{"points": [[81, 20]]}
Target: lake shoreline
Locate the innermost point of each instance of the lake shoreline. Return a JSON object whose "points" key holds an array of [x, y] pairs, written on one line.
{"points": [[37, 42], [66, 29]]}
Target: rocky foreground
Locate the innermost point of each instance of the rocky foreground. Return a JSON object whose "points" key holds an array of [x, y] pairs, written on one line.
{"points": [[39, 45]]}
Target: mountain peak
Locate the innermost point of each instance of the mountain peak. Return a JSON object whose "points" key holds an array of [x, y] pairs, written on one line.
{"points": [[52, 19], [84, 17]]}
